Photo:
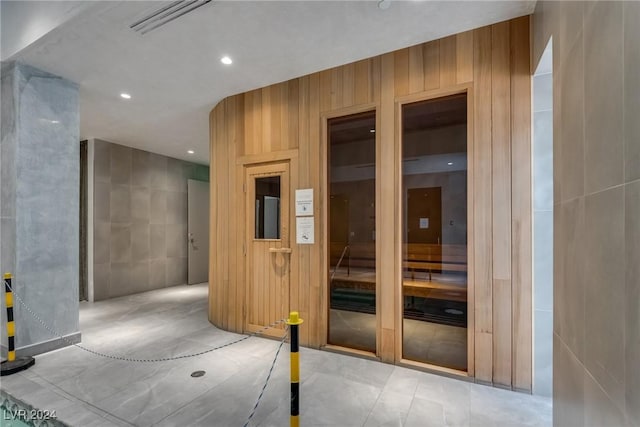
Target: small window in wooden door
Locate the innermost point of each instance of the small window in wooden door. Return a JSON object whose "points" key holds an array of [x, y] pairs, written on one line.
{"points": [[267, 218]]}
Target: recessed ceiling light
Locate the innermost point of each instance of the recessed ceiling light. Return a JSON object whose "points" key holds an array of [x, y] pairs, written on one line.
{"points": [[190, 151], [226, 60], [372, 130], [55, 121], [450, 163], [125, 95]]}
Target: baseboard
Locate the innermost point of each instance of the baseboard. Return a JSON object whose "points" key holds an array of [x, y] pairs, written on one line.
{"points": [[45, 346]]}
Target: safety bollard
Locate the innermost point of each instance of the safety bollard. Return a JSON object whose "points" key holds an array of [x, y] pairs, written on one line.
{"points": [[12, 364], [293, 322], [11, 326]]}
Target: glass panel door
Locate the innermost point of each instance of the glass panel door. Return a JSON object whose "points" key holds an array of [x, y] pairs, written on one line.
{"points": [[434, 226], [352, 220]]}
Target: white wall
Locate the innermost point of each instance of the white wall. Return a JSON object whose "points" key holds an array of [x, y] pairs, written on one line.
{"points": [[24, 22]]}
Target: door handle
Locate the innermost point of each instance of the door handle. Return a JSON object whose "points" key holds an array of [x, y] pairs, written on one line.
{"points": [[280, 250], [192, 240]]}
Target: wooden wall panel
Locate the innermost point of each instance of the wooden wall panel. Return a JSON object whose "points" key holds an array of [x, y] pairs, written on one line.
{"points": [[229, 269], [464, 57], [317, 314], [375, 78], [300, 263], [253, 135], [348, 84], [237, 138], [416, 69], [214, 213], [431, 56], [317, 297], [288, 121], [385, 191], [266, 137], [521, 187], [362, 83], [448, 59], [482, 208], [292, 122], [501, 197], [471, 236], [400, 75], [221, 259]]}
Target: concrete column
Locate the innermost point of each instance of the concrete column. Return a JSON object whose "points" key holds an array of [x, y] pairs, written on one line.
{"points": [[39, 170]]}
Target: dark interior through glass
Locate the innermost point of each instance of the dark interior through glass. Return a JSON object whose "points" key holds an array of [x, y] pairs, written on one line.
{"points": [[267, 206], [434, 227], [352, 233]]}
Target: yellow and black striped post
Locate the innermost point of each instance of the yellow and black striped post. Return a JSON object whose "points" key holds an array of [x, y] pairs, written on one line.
{"points": [[11, 325], [12, 365], [293, 322]]}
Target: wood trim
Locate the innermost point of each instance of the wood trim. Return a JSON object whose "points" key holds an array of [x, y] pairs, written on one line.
{"points": [[350, 352], [385, 211], [399, 102], [265, 308], [318, 296], [482, 207], [347, 111], [521, 197], [432, 368], [471, 301], [324, 160], [434, 93], [501, 197], [275, 156], [398, 294]]}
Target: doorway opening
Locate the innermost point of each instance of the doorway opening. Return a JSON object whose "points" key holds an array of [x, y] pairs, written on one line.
{"points": [[197, 231], [83, 273]]}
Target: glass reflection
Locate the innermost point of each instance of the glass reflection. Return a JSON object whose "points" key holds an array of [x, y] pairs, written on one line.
{"points": [[434, 189], [352, 220]]}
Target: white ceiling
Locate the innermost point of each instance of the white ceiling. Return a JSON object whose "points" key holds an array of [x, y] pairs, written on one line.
{"points": [[174, 74]]}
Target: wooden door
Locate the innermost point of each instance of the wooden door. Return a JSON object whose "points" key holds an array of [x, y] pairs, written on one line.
{"points": [[268, 246], [424, 215]]}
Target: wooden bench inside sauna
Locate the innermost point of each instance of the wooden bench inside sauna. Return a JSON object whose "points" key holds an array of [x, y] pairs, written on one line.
{"points": [[436, 273]]}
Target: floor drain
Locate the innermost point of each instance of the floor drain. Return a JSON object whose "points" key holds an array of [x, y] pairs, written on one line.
{"points": [[197, 374]]}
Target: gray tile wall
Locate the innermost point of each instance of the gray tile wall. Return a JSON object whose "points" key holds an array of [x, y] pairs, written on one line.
{"points": [[140, 220], [596, 353]]}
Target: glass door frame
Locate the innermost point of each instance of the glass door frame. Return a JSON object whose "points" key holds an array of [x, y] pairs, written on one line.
{"points": [[399, 300], [324, 222]]}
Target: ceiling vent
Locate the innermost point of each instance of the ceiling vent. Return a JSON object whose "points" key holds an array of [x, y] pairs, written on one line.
{"points": [[166, 14]]}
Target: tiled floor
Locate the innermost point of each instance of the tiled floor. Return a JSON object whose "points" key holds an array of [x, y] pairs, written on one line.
{"points": [[336, 390]]}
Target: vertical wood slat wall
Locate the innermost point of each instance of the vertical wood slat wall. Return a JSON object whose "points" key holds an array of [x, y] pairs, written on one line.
{"points": [[285, 121]]}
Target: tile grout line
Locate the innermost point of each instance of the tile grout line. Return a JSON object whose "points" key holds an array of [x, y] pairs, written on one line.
{"points": [[376, 402], [56, 389]]}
